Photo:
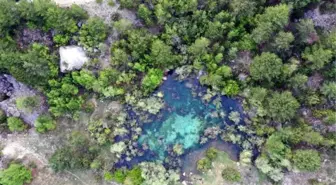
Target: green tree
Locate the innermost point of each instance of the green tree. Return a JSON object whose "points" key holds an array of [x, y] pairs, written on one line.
{"points": [[231, 174], [316, 57], [93, 32], [273, 19], [231, 88], [28, 103], [282, 106], [15, 124], [9, 16], [266, 67], [307, 160], [152, 79], [306, 31], [44, 123], [299, 3], [298, 81], [161, 55], [122, 25], [243, 8], [203, 164], [200, 47], [283, 41], [211, 153], [329, 90], [145, 14], [15, 174]]}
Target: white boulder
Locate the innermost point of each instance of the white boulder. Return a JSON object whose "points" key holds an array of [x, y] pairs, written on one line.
{"points": [[72, 58]]}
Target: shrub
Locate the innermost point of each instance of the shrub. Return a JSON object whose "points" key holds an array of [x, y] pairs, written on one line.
{"points": [[28, 103], [231, 174], [307, 160], [93, 32], [119, 176], [152, 79], [203, 164], [15, 174], [44, 123], [15, 124], [211, 153]]}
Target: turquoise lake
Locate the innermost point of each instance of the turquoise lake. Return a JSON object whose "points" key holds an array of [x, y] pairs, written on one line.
{"points": [[185, 116]]}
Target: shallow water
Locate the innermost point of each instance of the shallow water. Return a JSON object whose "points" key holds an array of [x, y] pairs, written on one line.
{"points": [[184, 117]]}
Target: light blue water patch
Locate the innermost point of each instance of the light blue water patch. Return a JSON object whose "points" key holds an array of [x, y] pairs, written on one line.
{"points": [[184, 130], [183, 119]]}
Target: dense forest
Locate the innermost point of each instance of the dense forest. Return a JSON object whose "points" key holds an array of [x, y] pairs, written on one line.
{"points": [[271, 56]]}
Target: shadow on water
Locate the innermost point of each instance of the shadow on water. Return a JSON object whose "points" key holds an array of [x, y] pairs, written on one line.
{"points": [[183, 120]]}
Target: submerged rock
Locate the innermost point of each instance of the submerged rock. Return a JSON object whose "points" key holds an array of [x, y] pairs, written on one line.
{"points": [[72, 58]]}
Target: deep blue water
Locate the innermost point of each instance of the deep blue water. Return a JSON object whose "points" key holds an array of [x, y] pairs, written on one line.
{"points": [[184, 117]]}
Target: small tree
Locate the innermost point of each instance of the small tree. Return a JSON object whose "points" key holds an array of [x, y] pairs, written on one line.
{"points": [[44, 123], [329, 90], [211, 153], [152, 79], [203, 164], [307, 160], [231, 174], [266, 67], [15, 124], [282, 106], [316, 57], [15, 174]]}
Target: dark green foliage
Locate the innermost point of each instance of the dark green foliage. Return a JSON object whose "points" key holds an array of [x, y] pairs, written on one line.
{"points": [[329, 90], [93, 32], [35, 67], [15, 174], [266, 67], [282, 106], [8, 16], [307, 160], [76, 155], [16, 124], [44, 123], [63, 97], [145, 14], [299, 3], [231, 174]]}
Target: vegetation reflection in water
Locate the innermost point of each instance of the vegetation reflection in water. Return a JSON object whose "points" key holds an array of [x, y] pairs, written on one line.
{"points": [[185, 116]]}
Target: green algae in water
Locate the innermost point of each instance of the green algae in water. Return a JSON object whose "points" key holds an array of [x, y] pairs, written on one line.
{"points": [[184, 130]]}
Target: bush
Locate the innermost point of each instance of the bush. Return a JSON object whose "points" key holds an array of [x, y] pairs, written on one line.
{"points": [[231, 174], [15, 174], [152, 79], [211, 153], [28, 103], [307, 160], [93, 32], [44, 123], [15, 124], [203, 164]]}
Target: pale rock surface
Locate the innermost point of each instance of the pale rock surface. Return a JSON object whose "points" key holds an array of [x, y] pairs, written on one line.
{"points": [[72, 58]]}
